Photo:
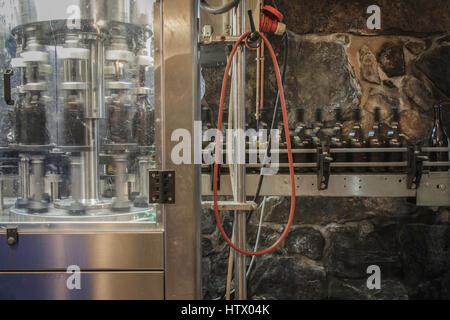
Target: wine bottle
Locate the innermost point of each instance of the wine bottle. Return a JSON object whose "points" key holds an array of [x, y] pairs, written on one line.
{"points": [[439, 138], [375, 141], [316, 134], [356, 140], [337, 140], [394, 140], [301, 139]]}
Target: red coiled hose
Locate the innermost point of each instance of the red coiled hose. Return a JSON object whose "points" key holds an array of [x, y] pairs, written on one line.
{"points": [[288, 143]]}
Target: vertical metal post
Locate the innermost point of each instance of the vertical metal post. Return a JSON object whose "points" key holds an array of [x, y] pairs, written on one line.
{"points": [[120, 163], [37, 177], [24, 176], [239, 151], [143, 176], [94, 111], [75, 172], [178, 46]]}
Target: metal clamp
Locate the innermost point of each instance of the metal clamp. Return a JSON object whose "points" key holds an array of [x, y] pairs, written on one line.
{"points": [[415, 167], [162, 187], [7, 87], [323, 164], [12, 236], [230, 205]]}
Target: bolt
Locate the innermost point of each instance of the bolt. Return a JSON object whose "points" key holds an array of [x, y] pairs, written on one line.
{"points": [[11, 241], [442, 187]]}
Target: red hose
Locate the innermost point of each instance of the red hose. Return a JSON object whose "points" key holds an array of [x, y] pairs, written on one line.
{"points": [[288, 143]]}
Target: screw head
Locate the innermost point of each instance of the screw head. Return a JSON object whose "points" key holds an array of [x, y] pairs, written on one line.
{"points": [[11, 241]]}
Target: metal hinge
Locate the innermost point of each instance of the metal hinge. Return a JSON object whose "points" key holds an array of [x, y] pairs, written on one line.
{"points": [[12, 236], [162, 187]]}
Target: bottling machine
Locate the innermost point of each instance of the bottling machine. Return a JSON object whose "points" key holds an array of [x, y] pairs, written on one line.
{"points": [[93, 205], [87, 114]]}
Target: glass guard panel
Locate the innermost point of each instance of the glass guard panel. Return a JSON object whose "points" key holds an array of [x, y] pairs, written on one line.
{"points": [[77, 142]]}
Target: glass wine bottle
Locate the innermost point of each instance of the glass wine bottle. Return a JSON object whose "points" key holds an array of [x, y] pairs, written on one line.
{"points": [[394, 140], [337, 140], [439, 138], [375, 141], [356, 140]]}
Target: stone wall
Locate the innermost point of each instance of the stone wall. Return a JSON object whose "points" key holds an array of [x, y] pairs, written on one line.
{"points": [[335, 61]]}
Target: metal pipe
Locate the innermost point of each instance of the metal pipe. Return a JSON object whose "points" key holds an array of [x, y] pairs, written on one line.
{"points": [[120, 164], [24, 166], [37, 177], [219, 10], [94, 111], [239, 150], [76, 178], [143, 176], [90, 193]]}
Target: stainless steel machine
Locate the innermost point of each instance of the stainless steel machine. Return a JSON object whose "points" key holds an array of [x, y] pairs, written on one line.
{"points": [[87, 183]]}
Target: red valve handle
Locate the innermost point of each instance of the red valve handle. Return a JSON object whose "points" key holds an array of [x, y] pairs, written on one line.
{"points": [[270, 18]]}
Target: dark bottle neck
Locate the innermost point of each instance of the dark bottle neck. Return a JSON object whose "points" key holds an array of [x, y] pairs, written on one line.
{"points": [[437, 114], [395, 115], [300, 115], [357, 115]]}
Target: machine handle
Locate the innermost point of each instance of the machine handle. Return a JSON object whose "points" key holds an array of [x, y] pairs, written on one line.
{"points": [[7, 87]]}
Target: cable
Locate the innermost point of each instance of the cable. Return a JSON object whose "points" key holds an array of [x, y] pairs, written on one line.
{"points": [[288, 143], [274, 120], [218, 10], [249, 269]]}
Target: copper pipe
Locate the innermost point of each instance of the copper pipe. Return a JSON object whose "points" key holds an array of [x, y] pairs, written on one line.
{"points": [[258, 83], [261, 61], [260, 77]]}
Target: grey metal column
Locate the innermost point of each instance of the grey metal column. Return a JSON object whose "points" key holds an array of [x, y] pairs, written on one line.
{"points": [[24, 176], [143, 176], [37, 177], [239, 151], [180, 108], [94, 111]]}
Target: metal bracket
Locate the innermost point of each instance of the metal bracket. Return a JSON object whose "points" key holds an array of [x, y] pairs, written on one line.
{"points": [[12, 236], [162, 187], [415, 167], [323, 164], [230, 206]]}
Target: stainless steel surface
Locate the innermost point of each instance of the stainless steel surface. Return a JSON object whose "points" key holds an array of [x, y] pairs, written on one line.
{"points": [[83, 227], [239, 146], [180, 107], [434, 189], [143, 176], [37, 177], [107, 251], [100, 212], [125, 285], [95, 109], [76, 176], [342, 185], [127, 11], [121, 177], [24, 183], [89, 172]]}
